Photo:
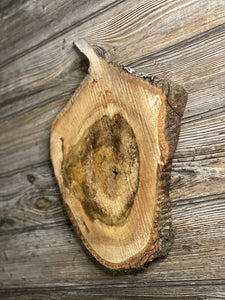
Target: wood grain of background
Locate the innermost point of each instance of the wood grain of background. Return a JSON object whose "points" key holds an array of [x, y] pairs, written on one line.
{"points": [[184, 40]]}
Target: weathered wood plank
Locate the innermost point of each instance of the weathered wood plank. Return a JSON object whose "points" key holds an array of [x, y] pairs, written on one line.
{"points": [[30, 198], [127, 18], [55, 254], [42, 21], [183, 41], [186, 291], [53, 63], [35, 87]]}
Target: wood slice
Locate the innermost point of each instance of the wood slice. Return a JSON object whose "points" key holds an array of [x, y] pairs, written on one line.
{"points": [[111, 148]]}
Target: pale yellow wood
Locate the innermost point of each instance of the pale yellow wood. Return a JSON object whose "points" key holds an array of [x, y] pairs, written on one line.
{"points": [[109, 91]]}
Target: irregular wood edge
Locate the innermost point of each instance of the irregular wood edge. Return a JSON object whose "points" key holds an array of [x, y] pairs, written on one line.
{"points": [[176, 100], [162, 237]]}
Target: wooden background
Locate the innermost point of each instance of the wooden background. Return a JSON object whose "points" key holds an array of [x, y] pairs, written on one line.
{"points": [[41, 257]]}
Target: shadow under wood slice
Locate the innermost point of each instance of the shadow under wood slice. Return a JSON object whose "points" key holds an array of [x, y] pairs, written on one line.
{"points": [[111, 148]]}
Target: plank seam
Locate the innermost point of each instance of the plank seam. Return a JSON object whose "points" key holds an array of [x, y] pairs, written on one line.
{"points": [[183, 283], [198, 37], [64, 31], [66, 221], [37, 105]]}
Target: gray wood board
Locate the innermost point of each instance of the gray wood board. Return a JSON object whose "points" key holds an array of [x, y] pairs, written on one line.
{"points": [[41, 256]]}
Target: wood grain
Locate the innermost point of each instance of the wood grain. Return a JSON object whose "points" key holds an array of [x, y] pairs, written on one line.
{"points": [[112, 148], [195, 222], [50, 25], [183, 41], [52, 63]]}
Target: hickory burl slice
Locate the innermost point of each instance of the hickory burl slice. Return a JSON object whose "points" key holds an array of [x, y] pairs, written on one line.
{"points": [[111, 148]]}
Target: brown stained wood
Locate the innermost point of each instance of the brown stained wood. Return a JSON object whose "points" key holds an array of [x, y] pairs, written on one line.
{"points": [[111, 148]]}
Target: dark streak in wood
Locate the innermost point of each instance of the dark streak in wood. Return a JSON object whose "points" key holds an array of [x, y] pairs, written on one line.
{"points": [[186, 43]]}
